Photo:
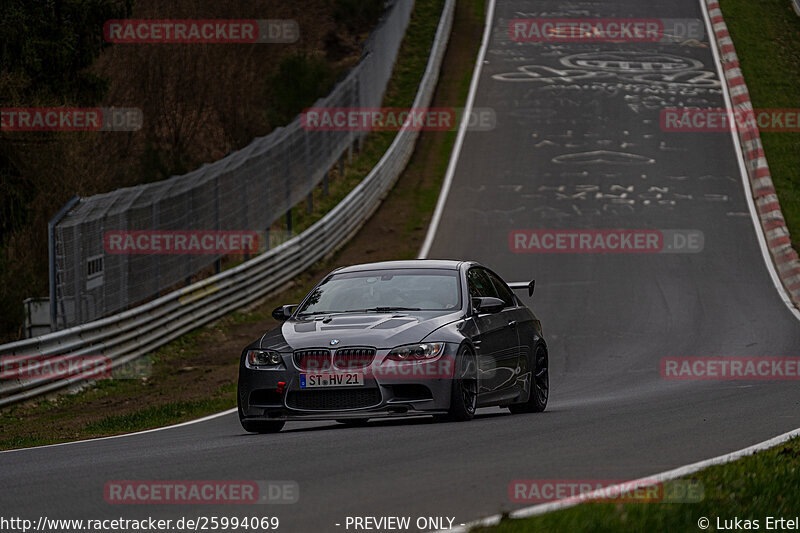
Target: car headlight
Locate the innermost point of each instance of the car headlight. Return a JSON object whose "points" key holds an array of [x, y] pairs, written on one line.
{"points": [[263, 358], [416, 352]]}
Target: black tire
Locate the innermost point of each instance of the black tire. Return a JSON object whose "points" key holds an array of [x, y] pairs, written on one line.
{"points": [[540, 384], [262, 426], [464, 392], [257, 426], [353, 422]]}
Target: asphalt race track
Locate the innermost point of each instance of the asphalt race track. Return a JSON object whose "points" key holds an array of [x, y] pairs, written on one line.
{"points": [[577, 127]]}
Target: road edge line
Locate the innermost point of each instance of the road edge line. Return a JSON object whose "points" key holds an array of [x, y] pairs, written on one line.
{"points": [[142, 432], [681, 471], [761, 182], [782, 260], [462, 131]]}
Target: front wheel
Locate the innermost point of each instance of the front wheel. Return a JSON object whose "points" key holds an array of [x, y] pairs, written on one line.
{"points": [[540, 385], [262, 426], [257, 426], [464, 392]]}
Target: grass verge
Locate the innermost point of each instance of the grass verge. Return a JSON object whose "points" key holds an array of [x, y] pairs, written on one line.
{"points": [[767, 39], [752, 488], [402, 88]]}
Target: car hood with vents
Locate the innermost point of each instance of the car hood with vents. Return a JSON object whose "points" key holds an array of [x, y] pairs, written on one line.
{"points": [[377, 330]]}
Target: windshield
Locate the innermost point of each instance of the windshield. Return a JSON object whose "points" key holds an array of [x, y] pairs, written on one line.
{"points": [[385, 291]]}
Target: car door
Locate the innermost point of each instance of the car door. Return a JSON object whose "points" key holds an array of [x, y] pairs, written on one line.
{"points": [[520, 320], [497, 344]]}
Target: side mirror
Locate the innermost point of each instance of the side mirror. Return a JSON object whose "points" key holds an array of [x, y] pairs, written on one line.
{"points": [[283, 312], [488, 304]]}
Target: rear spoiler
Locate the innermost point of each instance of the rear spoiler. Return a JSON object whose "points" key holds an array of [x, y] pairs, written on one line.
{"points": [[521, 285]]}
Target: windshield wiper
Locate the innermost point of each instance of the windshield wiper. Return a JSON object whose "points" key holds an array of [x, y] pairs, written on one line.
{"points": [[311, 313], [370, 310]]}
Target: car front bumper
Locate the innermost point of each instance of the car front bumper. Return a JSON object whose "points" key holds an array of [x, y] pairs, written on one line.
{"points": [[424, 389]]}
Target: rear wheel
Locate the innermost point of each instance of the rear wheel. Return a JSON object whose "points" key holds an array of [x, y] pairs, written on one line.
{"points": [[464, 392], [540, 384]]}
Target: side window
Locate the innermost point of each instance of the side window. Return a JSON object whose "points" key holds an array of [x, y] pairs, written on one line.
{"points": [[480, 284], [504, 292]]}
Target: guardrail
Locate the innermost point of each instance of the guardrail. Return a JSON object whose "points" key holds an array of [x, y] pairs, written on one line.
{"points": [[133, 333], [247, 190]]}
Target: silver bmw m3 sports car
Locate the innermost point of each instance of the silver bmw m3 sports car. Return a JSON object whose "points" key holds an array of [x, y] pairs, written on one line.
{"points": [[397, 338]]}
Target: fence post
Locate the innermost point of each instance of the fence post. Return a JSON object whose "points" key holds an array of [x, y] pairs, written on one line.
{"points": [[51, 259]]}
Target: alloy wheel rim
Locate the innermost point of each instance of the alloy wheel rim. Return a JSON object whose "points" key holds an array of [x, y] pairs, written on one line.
{"points": [[468, 386], [541, 378]]}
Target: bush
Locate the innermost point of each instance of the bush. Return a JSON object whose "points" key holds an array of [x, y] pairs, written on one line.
{"points": [[300, 80]]}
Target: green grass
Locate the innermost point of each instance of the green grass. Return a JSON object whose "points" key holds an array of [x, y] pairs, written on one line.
{"points": [[150, 417], [400, 92], [754, 487], [766, 34], [165, 414]]}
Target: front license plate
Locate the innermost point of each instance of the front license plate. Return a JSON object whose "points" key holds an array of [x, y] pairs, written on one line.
{"points": [[339, 379]]}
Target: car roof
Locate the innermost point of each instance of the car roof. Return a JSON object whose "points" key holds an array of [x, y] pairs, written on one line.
{"points": [[413, 263]]}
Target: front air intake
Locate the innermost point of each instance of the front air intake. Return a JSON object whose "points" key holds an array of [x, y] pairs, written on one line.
{"points": [[314, 360], [353, 358]]}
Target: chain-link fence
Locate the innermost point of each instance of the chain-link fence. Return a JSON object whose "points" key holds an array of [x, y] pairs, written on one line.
{"points": [[247, 190]]}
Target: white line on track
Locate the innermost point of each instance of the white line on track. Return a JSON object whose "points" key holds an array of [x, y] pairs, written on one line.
{"points": [[462, 131], [762, 241], [682, 471], [173, 426]]}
